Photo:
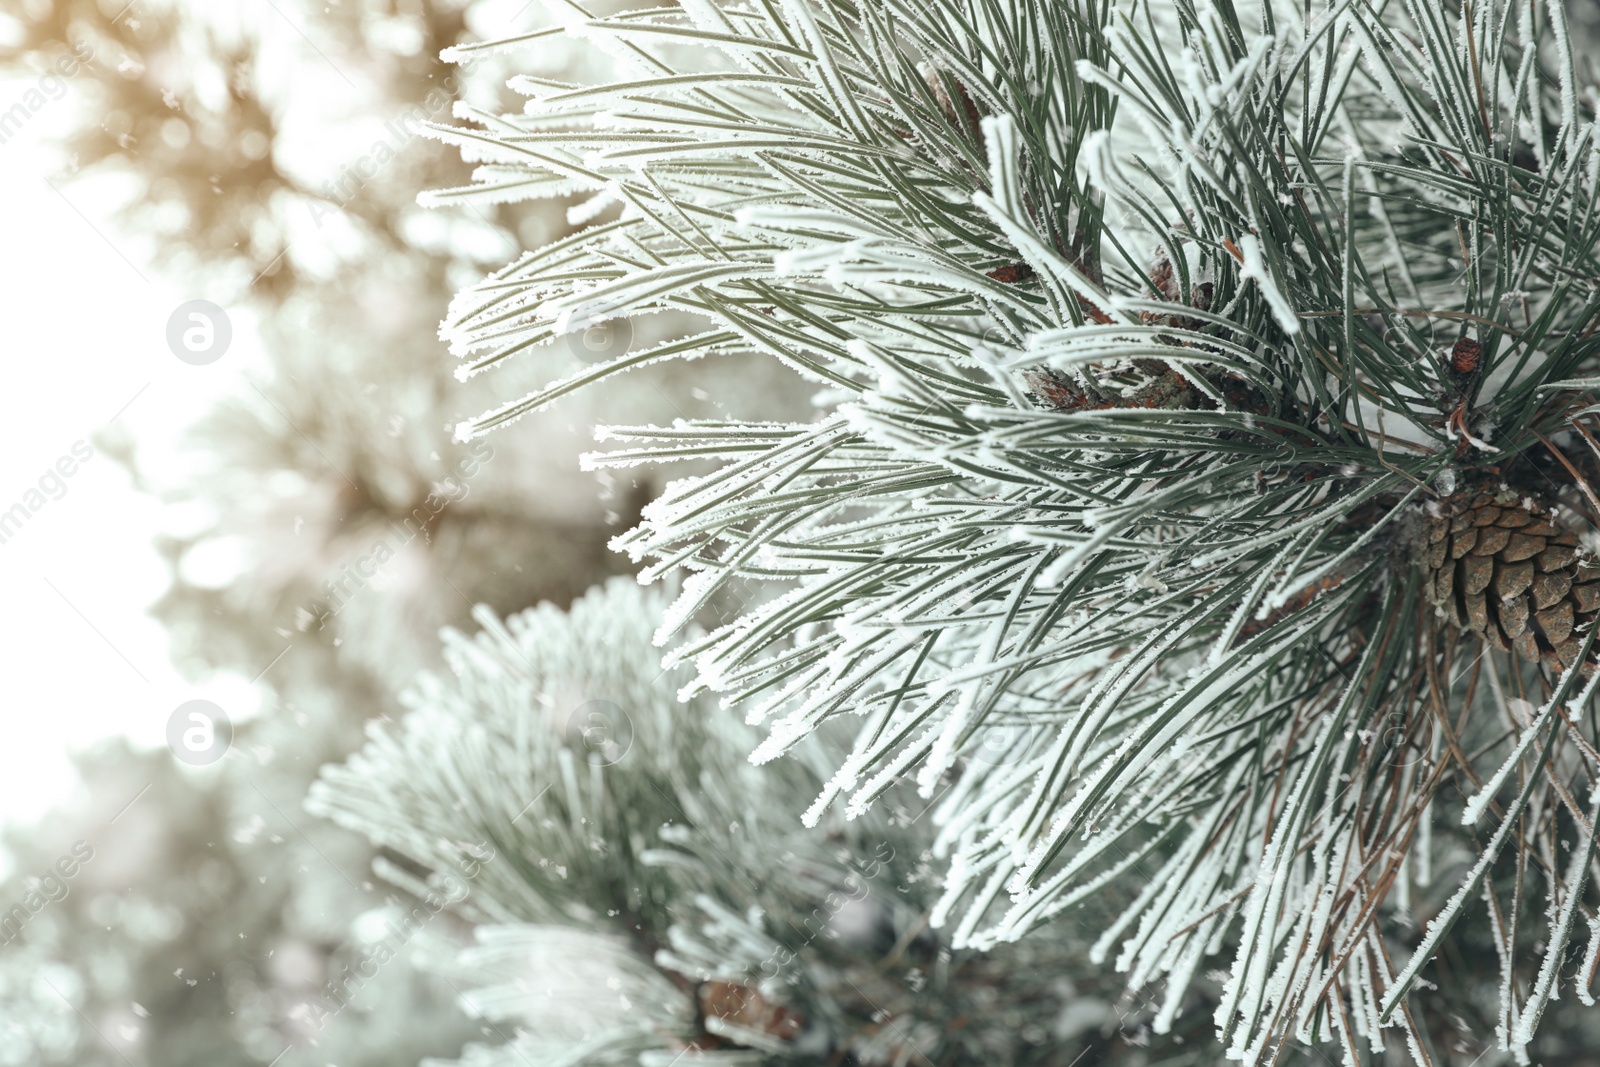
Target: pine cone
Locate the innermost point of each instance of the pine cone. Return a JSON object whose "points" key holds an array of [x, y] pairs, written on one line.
{"points": [[1498, 563]]}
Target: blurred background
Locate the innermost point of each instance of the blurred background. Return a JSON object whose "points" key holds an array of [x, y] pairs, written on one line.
{"points": [[272, 518], [271, 515]]}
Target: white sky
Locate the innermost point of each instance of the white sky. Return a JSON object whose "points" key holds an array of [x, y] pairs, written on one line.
{"points": [[83, 318], [83, 337]]}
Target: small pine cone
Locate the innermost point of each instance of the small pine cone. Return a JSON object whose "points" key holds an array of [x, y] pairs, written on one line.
{"points": [[1501, 565], [1466, 357]]}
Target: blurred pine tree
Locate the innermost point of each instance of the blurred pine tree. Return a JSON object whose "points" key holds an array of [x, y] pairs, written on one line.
{"points": [[340, 453]]}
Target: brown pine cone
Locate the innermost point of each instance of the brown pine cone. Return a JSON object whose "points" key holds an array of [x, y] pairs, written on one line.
{"points": [[1500, 564]]}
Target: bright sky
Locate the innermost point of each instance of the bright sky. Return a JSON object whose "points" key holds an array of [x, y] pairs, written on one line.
{"points": [[83, 322], [82, 325]]}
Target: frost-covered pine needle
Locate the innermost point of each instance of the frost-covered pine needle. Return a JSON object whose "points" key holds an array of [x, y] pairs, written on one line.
{"points": [[1133, 322]]}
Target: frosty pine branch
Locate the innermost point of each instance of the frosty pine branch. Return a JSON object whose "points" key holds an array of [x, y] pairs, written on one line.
{"points": [[1169, 355], [660, 905]]}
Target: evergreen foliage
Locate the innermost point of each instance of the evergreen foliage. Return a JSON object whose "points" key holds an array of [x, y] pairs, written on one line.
{"points": [[1155, 343], [644, 895]]}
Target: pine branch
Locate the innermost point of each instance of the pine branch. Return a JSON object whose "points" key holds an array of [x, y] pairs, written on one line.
{"points": [[1143, 329], [636, 902]]}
